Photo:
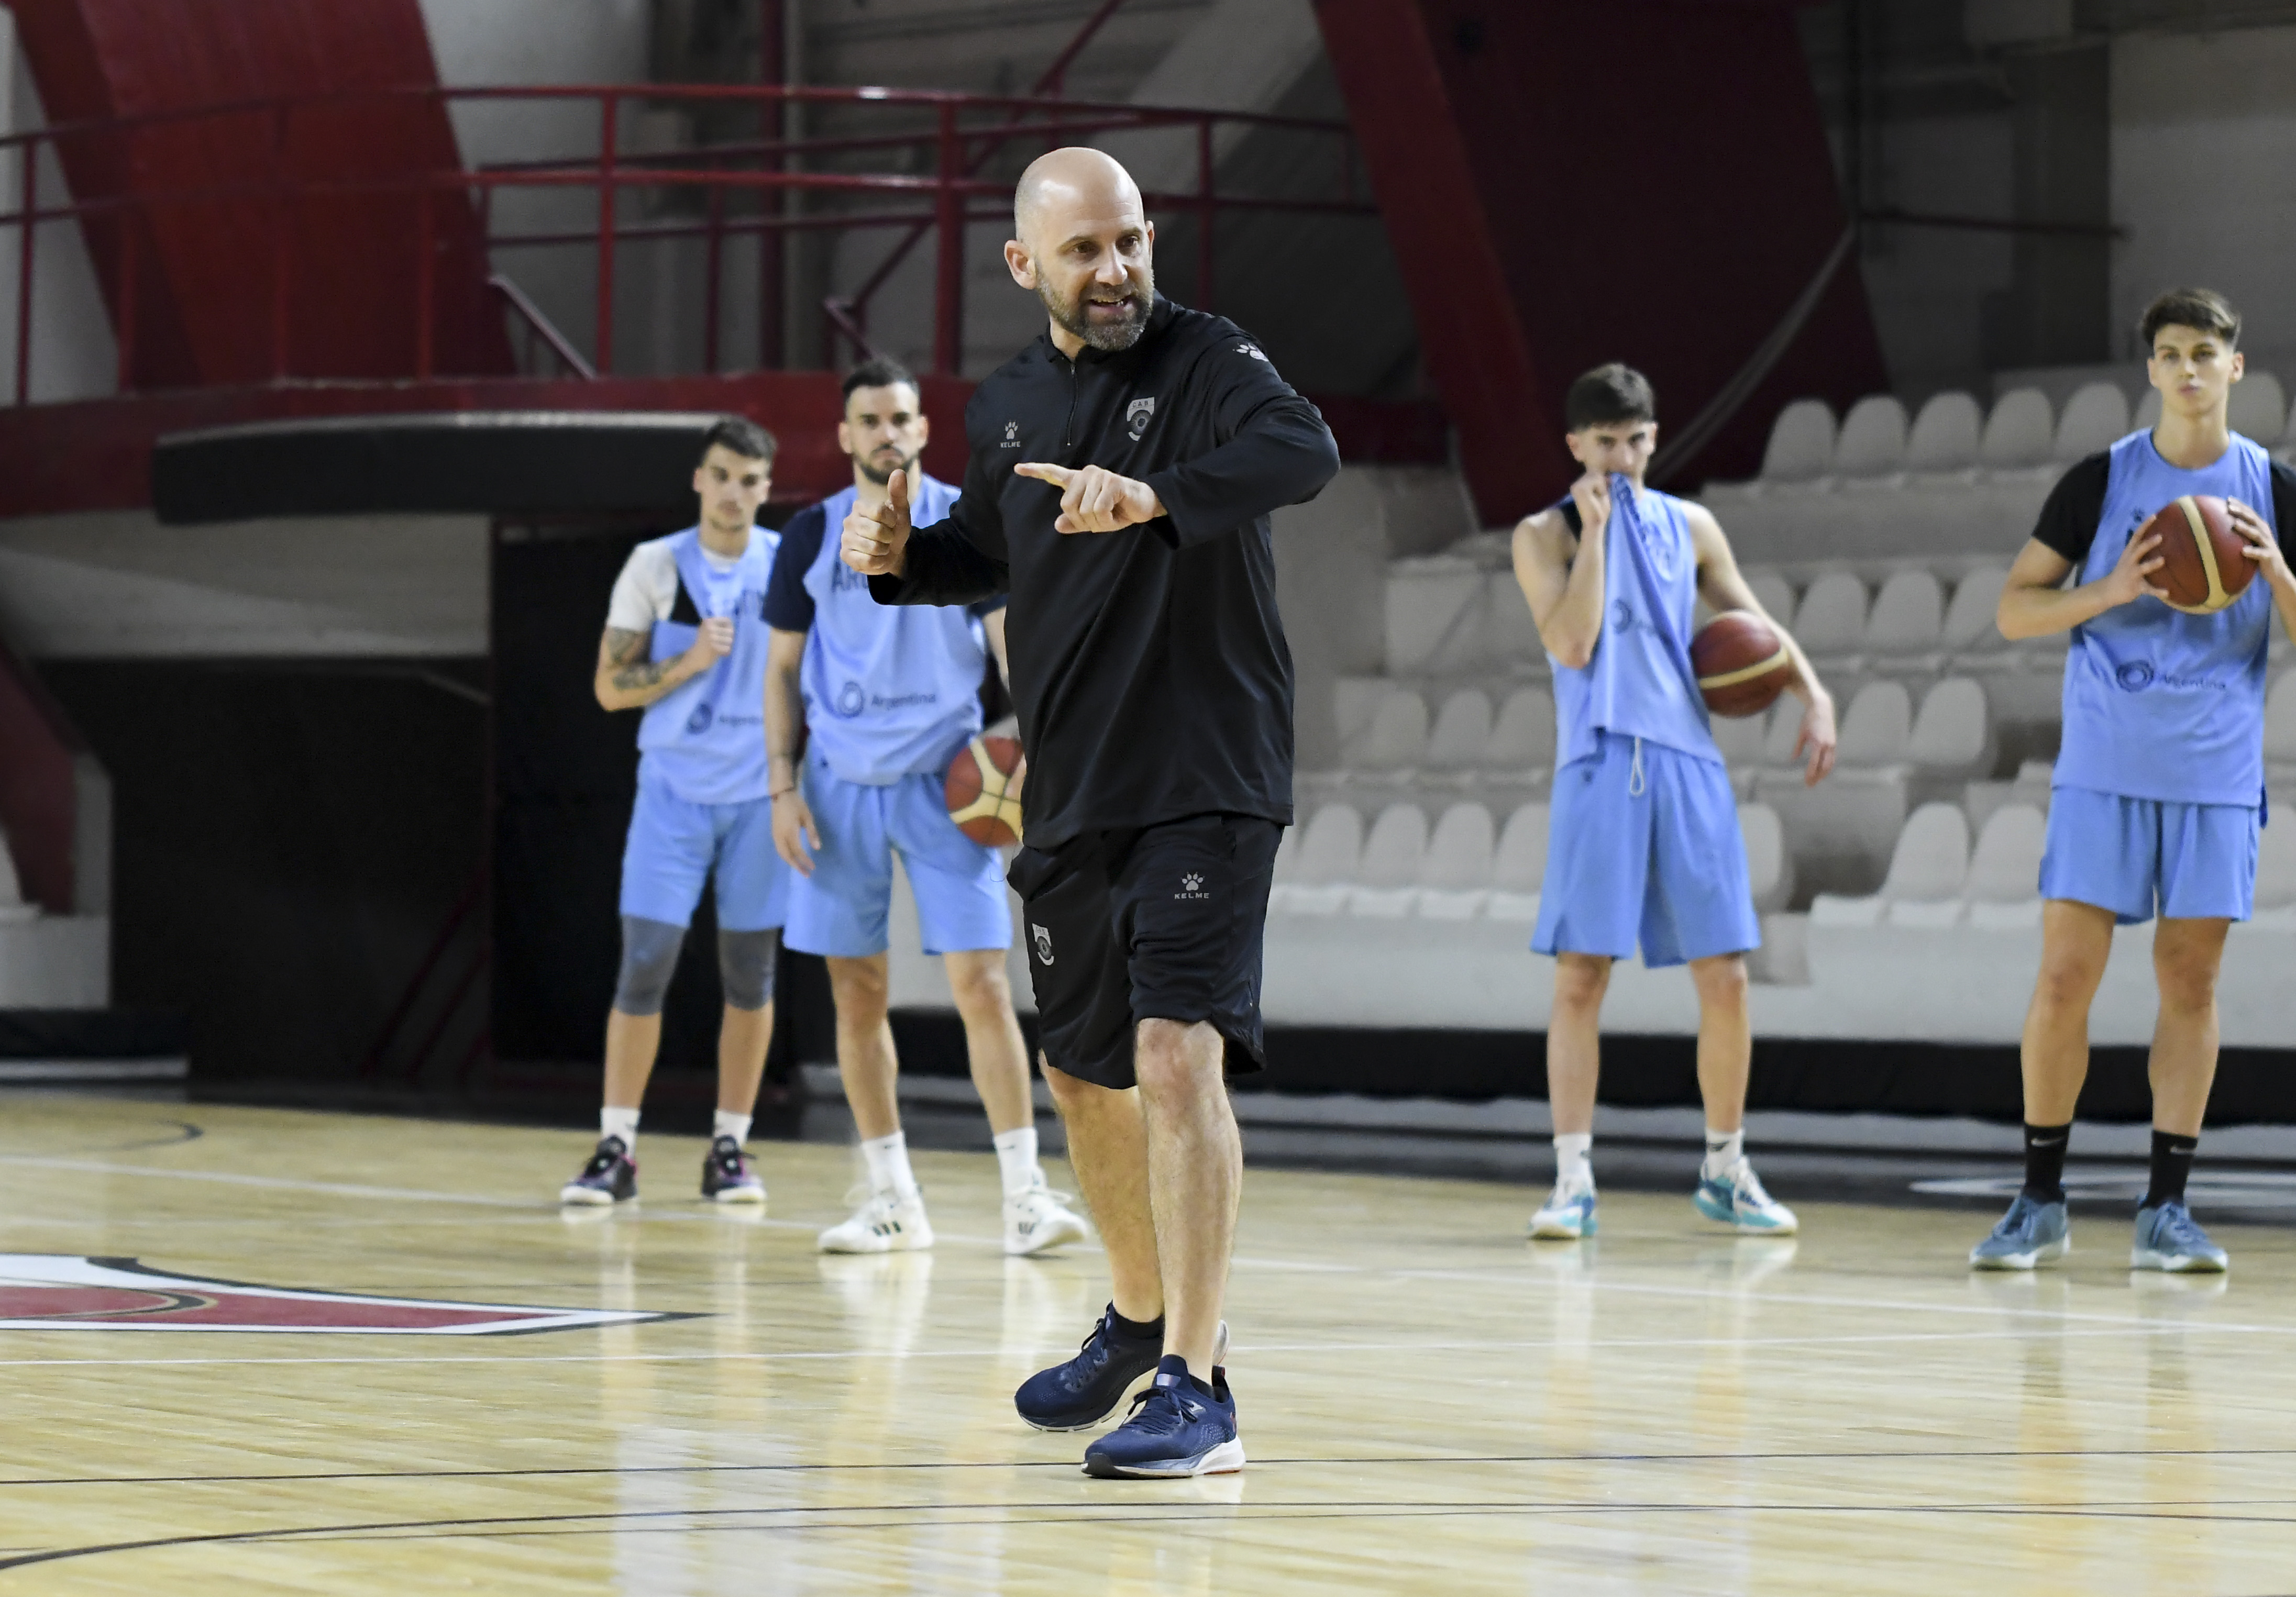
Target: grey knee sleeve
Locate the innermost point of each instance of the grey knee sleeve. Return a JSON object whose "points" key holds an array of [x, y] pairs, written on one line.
{"points": [[648, 954], [745, 966]]}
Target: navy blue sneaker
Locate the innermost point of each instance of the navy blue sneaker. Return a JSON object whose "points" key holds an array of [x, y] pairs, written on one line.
{"points": [[1085, 1390], [1178, 1427]]}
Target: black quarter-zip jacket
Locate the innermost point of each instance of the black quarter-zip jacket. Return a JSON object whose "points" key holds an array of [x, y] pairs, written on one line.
{"points": [[1148, 666]]}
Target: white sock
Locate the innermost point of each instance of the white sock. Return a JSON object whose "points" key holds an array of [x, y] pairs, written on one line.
{"points": [[730, 1124], [1016, 1160], [1574, 1159], [888, 1159], [621, 1123], [1724, 1149]]}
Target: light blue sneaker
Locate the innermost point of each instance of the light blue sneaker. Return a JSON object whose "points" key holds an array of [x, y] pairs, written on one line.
{"points": [[1568, 1215], [1735, 1198], [2028, 1233], [2168, 1238]]}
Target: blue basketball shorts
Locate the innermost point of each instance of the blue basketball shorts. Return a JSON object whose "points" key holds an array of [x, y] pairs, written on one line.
{"points": [[841, 909], [674, 845], [2142, 856], [1642, 846]]}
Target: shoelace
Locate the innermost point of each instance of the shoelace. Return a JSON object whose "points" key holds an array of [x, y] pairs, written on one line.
{"points": [[2180, 1228], [600, 1162], [1158, 1411]]}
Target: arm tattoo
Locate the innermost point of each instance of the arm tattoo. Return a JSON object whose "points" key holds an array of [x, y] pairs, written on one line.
{"points": [[632, 674]]}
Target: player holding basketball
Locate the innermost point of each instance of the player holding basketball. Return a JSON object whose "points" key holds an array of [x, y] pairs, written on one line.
{"points": [[1645, 844], [2157, 793], [685, 639], [1123, 469], [887, 697]]}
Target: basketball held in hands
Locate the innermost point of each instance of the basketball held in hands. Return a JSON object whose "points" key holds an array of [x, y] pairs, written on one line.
{"points": [[983, 791], [2203, 568]]}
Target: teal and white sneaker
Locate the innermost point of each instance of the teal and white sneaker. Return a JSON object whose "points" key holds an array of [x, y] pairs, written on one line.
{"points": [[2168, 1238], [1568, 1215], [1735, 1198], [2030, 1233]]}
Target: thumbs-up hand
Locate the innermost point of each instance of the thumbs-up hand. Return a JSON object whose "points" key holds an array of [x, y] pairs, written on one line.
{"points": [[876, 542]]}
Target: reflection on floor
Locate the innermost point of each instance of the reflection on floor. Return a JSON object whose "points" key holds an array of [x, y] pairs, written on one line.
{"points": [[1430, 1404]]}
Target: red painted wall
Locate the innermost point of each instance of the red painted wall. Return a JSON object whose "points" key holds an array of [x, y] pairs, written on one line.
{"points": [[1565, 184], [350, 261]]}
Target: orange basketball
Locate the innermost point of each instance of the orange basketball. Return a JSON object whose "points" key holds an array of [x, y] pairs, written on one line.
{"points": [[1741, 663], [983, 792], [2201, 566]]}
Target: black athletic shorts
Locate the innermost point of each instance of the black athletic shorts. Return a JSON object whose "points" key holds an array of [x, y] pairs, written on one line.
{"points": [[1163, 922]]}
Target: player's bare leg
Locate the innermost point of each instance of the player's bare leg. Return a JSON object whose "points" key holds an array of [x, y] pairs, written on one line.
{"points": [[1728, 1190], [2187, 955], [632, 1041], [1036, 1218], [891, 1219], [743, 1036], [1108, 1149], [1195, 1177], [1574, 1069]]}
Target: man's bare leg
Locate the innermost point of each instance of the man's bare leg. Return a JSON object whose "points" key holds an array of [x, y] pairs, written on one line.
{"points": [[744, 1036], [2076, 941], [866, 1061], [632, 1041], [1726, 1039], [1195, 1177], [1108, 1149], [993, 1043], [1574, 1041], [2187, 955]]}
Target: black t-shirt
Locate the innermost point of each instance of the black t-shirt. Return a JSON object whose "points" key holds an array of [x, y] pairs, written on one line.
{"points": [[2070, 516], [1148, 666]]}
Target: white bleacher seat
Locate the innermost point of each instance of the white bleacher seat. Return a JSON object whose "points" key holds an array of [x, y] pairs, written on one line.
{"points": [[1518, 865], [1433, 604], [1387, 873], [1768, 866], [2147, 414], [2019, 432], [1522, 739], [1778, 737], [1455, 874], [2260, 408], [1831, 619], [12, 907], [1876, 727], [1907, 617], [2275, 878], [1801, 444], [1969, 623], [1461, 730], [1951, 737], [2094, 416], [1325, 864], [2280, 734], [1739, 739], [1287, 856], [1509, 634], [1927, 870], [2003, 889], [1776, 596], [1945, 435], [1872, 440], [1396, 738]]}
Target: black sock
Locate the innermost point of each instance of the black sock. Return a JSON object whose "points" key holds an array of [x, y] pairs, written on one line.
{"points": [[1137, 1331], [2172, 1162], [2044, 1161]]}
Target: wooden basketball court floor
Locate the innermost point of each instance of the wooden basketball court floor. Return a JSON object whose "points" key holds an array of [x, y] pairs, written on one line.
{"points": [[1430, 1404]]}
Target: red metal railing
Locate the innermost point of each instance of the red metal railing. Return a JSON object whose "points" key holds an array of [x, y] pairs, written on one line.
{"points": [[924, 172]]}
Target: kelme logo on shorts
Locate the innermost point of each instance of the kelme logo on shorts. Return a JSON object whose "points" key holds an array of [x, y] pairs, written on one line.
{"points": [[1190, 887], [1044, 939], [2135, 675]]}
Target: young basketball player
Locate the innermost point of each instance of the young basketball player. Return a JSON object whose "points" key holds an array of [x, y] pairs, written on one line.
{"points": [[888, 697], [1644, 845], [686, 640], [2158, 794]]}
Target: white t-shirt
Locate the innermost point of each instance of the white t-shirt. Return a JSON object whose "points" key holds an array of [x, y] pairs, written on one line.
{"points": [[646, 591]]}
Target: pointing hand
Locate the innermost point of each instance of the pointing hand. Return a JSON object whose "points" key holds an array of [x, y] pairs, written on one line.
{"points": [[1094, 498]]}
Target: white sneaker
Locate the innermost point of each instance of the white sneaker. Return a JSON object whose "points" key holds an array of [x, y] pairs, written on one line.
{"points": [[1040, 1218], [1568, 1215], [886, 1223], [1735, 1198]]}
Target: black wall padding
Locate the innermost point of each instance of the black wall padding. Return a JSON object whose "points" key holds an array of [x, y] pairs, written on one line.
{"points": [[477, 462]]}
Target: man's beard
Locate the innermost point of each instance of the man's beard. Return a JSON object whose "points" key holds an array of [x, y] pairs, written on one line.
{"points": [[1140, 300], [865, 464]]}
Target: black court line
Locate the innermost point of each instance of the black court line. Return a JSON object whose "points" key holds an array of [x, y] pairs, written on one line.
{"points": [[1907, 1455], [644, 1522]]}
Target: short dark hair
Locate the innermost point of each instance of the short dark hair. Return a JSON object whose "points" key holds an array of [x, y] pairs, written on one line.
{"points": [[2202, 309], [880, 373], [1615, 392], [741, 435]]}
